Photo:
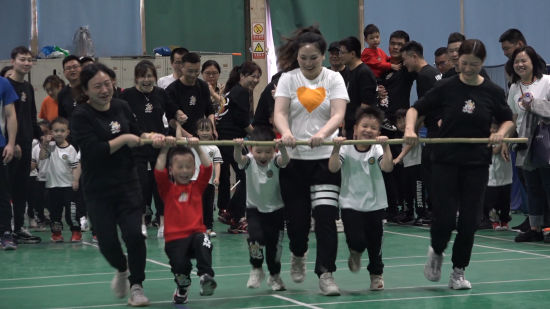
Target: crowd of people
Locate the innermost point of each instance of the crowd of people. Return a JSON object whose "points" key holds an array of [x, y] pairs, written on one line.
{"points": [[87, 158]]}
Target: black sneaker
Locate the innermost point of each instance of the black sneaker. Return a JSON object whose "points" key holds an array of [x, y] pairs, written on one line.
{"points": [[388, 126], [485, 224], [24, 237], [7, 242], [406, 219], [180, 295], [525, 226], [422, 221], [529, 236], [208, 285]]}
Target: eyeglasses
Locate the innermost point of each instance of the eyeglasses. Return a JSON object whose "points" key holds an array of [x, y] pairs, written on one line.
{"points": [[213, 73], [71, 68]]}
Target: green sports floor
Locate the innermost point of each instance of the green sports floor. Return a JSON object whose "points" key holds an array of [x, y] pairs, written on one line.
{"points": [[504, 274]]}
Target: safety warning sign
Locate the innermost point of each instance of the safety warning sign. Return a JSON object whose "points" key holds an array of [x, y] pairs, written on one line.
{"points": [[258, 32], [258, 50]]}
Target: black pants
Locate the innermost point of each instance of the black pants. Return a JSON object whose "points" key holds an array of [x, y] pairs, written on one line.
{"points": [[499, 198], [457, 188], [122, 208], [236, 205], [208, 206], [37, 198], [149, 185], [393, 182], [427, 175], [63, 198], [364, 230], [265, 230], [309, 188], [181, 251], [414, 190], [5, 206], [18, 171]]}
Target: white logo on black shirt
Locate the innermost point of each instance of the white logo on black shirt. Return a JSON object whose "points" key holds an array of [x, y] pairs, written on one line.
{"points": [[23, 97], [115, 127], [206, 241], [148, 108], [439, 76], [192, 100], [469, 107]]}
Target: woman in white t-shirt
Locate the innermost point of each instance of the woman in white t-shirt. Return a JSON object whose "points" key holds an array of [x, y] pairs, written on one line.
{"points": [[529, 100], [310, 103]]}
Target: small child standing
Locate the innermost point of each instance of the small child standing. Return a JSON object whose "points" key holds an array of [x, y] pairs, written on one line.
{"points": [[37, 194], [363, 202], [184, 231], [205, 132], [373, 56], [264, 205], [497, 195], [49, 107], [62, 169]]}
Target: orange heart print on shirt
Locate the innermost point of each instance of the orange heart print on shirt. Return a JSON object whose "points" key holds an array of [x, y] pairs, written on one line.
{"points": [[311, 98]]}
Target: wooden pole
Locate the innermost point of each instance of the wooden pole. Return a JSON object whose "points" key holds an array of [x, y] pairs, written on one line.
{"points": [[458, 140]]}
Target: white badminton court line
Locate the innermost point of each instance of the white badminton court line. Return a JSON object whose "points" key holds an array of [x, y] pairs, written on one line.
{"points": [[298, 303], [149, 260]]}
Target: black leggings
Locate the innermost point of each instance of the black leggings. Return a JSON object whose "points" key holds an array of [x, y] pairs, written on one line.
{"points": [[19, 170], [236, 205], [63, 198], [265, 230]]}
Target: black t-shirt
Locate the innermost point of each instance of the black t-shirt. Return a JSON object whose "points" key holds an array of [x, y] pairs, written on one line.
{"points": [[266, 105], [361, 86], [425, 79], [25, 110], [103, 173], [67, 102], [194, 101], [148, 108], [398, 84], [236, 115], [466, 111]]}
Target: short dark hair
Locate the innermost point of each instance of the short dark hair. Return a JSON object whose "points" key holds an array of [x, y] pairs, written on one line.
{"points": [[352, 44], [86, 59], [455, 37], [191, 58], [334, 46], [400, 34], [5, 70], [415, 47], [20, 50], [178, 150], [178, 51], [59, 120], [141, 69], [54, 80], [536, 60], [88, 72], [369, 111], [440, 51], [69, 58], [211, 63], [262, 133], [474, 47], [204, 123], [370, 29], [43, 122], [513, 36]]}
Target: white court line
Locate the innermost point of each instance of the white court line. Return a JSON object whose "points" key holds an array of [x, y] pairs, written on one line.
{"points": [[68, 276], [299, 303], [149, 260]]}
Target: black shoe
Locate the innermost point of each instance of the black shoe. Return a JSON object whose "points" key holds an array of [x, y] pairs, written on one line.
{"points": [[180, 295], [24, 237], [529, 236], [422, 221], [525, 226], [485, 224], [388, 126], [406, 219]]}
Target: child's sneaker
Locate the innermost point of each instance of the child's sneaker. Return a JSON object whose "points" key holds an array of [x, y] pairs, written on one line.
{"points": [[208, 285], [76, 236], [276, 283], [327, 285], [298, 267], [376, 283], [137, 297], [120, 284], [224, 216], [432, 269], [160, 232], [7, 241], [496, 226], [180, 295], [457, 280], [144, 230], [94, 239], [57, 237], [546, 234], [211, 233], [23, 236], [240, 227], [503, 226], [32, 223], [354, 261], [339, 226], [255, 278], [84, 226]]}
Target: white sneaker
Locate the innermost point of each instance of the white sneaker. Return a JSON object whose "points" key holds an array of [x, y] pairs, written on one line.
{"points": [[327, 285], [120, 284], [432, 269], [354, 261], [276, 283], [211, 233], [298, 268], [339, 226], [137, 297], [376, 283], [84, 224], [160, 232], [457, 280], [32, 223], [144, 230], [255, 278]]}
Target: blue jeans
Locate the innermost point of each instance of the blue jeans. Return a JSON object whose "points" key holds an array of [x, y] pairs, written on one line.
{"points": [[537, 185]]}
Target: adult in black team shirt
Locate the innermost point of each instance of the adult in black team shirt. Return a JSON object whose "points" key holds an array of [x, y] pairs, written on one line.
{"points": [[27, 129], [234, 122], [148, 103], [468, 103], [71, 71], [191, 97], [105, 129], [360, 83]]}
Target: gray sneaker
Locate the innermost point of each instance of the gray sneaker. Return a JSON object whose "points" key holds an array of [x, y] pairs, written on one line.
{"points": [[432, 269], [255, 279], [120, 284], [137, 297], [276, 283], [208, 285], [457, 280], [327, 285], [354, 261], [298, 268]]}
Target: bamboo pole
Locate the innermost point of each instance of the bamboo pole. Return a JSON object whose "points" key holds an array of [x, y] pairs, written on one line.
{"points": [[451, 140]]}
